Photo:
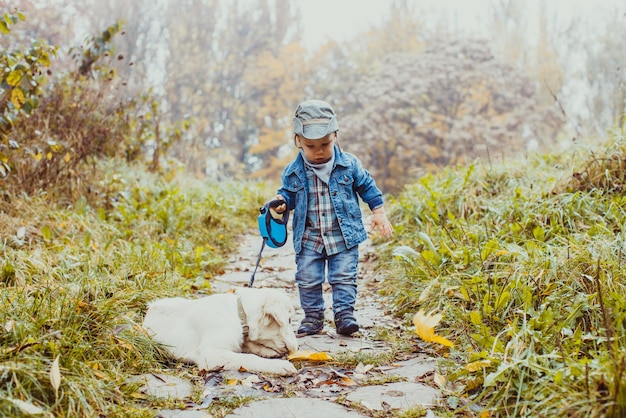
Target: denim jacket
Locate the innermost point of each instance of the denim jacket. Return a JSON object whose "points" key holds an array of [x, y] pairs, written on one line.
{"points": [[347, 180]]}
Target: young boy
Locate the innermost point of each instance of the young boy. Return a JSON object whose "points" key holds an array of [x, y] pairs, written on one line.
{"points": [[321, 186]]}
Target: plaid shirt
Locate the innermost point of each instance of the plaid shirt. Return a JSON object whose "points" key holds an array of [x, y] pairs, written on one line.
{"points": [[322, 229]]}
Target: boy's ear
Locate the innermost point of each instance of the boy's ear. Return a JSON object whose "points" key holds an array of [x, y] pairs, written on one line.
{"points": [[296, 141]]}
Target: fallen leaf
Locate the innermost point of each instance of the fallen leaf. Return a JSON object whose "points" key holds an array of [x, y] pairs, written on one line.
{"points": [[270, 388], [425, 328], [250, 380], [9, 325], [55, 376], [26, 407], [477, 365], [306, 355], [439, 380], [99, 375], [363, 369], [327, 382], [346, 381]]}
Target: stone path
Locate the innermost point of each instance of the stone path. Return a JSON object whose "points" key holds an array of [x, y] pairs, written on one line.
{"points": [[318, 387]]}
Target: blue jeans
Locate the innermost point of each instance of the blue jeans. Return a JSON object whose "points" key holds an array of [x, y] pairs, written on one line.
{"points": [[342, 274]]}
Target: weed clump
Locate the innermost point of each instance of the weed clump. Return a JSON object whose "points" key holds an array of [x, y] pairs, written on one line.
{"points": [[528, 274]]}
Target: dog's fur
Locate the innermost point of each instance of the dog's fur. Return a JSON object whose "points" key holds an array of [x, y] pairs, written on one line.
{"points": [[208, 331]]}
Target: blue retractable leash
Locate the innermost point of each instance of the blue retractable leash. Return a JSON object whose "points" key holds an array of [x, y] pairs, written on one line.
{"points": [[273, 230]]}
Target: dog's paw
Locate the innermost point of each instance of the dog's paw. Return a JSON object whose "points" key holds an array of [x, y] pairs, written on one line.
{"points": [[284, 368]]}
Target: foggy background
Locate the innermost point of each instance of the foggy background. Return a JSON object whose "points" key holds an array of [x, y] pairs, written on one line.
{"points": [[417, 85]]}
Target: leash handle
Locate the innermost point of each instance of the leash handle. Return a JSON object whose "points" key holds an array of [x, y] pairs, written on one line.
{"points": [[276, 203], [265, 210], [268, 219], [258, 260]]}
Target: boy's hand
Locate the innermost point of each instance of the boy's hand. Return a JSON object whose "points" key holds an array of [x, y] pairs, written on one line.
{"points": [[279, 208], [380, 221]]}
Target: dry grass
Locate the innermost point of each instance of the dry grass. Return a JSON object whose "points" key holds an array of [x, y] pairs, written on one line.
{"points": [[529, 277], [74, 282]]}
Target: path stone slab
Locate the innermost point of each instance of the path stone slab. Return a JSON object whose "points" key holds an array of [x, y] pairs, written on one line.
{"points": [[293, 408], [163, 386], [277, 270], [414, 368], [334, 343], [179, 413], [401, 395]]}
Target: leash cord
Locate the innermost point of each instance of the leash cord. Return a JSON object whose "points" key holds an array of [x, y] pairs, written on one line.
{"points": [[258, 260]]}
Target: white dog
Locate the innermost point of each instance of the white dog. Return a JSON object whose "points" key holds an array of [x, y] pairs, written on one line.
{"points": [[247, 330]]}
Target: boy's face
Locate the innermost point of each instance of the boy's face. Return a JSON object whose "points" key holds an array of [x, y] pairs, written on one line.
{"points": [[317, 151]]}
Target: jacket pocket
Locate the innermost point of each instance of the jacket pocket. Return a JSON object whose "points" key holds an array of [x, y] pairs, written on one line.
{"points": [[348, 198], [293, 185]]}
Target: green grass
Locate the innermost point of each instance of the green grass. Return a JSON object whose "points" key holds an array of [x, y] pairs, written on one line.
{"points": [[74, 282], [524, 258], [526, 261]]}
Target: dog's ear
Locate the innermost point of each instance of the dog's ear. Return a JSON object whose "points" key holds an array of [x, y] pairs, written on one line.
{"points": [[274, 309]]}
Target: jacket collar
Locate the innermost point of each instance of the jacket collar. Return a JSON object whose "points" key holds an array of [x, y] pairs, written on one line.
{"points": [[298, 167]]}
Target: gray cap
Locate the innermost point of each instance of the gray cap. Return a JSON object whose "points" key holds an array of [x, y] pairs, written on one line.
{"points": [[315, 119]]}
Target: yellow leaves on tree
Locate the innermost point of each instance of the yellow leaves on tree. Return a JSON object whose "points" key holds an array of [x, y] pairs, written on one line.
{"points": [[17, 97], [425, 324]]}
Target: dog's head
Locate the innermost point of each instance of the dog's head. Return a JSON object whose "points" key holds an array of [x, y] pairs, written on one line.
{"points": [[269, 313]]}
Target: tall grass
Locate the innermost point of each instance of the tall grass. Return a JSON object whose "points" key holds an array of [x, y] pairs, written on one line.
{"points": [[526, 261], [74, 282]]}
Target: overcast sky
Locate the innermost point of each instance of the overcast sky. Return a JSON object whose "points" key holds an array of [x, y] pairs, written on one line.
{"points": [[341, 19]]}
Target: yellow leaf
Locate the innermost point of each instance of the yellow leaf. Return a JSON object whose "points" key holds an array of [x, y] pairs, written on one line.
{"points": [[475, 317], [477, 365], [14, 78], [232, 382], [44, 60], [306, 355], [17, 97], [67, 157], [99, 375], [37, 156], [49, 155], [425, 328], [123, 344], [55, 375], [55, 146]]}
